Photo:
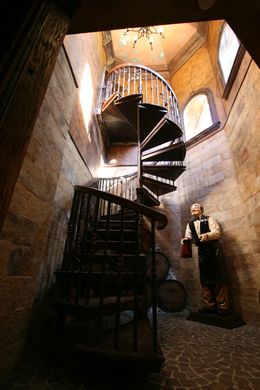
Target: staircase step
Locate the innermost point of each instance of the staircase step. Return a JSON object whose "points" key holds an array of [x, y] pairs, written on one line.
{"points": [[113, 259], [125, 247], [144, 359], [127, 105], [175, 152], [147, 198], [129, 215], [118, 128], [85, 311], [115, 223], [77, 277], [157, 187], [149, 116], [165, 131], [113, 234], [171, 172], [112, 98]]}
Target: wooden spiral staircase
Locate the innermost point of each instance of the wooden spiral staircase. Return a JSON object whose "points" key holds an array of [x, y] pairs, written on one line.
{"points": [[139, 106], [102, 286]]}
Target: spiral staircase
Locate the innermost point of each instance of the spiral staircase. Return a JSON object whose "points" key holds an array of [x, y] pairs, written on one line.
{"points": [[102, 286], [139, 106]]}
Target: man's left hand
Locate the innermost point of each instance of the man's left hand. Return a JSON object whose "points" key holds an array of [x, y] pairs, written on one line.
{"points": [[203, 237]]}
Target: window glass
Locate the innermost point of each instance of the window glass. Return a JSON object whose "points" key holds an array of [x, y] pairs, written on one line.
{"points": [[197, 116], [229, 45]]}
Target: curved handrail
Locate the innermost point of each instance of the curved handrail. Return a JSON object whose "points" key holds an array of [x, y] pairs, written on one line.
{"points": [[142, 67], [130, 78], [141, 209]]}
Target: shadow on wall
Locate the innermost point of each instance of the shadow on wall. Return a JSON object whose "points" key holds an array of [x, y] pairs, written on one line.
{"points": [[241, 268]]}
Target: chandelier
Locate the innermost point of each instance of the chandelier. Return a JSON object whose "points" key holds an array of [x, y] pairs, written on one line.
{"points": [[147, 32]]}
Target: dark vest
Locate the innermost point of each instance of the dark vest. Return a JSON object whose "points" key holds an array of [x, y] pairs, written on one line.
{"points": [[204, 228]]}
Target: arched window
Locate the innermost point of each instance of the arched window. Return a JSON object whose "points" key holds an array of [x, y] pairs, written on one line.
{"points": [[230, 55], [197, 115], [228, 48]]}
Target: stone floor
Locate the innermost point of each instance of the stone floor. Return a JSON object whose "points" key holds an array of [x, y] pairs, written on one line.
{"points": [[197, 356]]}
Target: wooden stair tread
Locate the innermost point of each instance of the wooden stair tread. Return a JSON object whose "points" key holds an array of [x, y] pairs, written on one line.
{"points": [[91, 310], [113, 233], [118, 128], [152, 107], [113, 252], [147, 198], [129, 216], [175, 152], [111, 99], [97, 274], [100, 240], [165, 131], [94, 301], [171, 172], [144, 358], [113, 229], [149, 116], [127, 105], [158, 187]]}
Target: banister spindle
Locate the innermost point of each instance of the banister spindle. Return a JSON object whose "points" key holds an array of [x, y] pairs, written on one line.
{"points": [[146, 86], [154, 303], [134, 79], [129, 81]]}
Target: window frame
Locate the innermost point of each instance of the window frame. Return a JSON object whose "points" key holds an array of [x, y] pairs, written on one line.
{"points": [[214, 116], [227, 85]]}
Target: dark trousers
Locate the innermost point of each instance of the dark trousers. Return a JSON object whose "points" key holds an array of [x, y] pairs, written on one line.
{"points": [[212, 275]]}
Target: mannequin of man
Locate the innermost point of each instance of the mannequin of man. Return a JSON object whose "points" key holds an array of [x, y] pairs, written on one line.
{"points": [[205, 232]]}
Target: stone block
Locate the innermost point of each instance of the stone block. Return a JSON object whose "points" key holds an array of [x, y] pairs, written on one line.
{"points": [[16, 297], [18, 230], [20, 261], [5, 250], [28, 205]]}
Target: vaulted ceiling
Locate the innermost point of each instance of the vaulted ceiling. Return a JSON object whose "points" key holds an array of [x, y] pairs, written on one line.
{"points": [[163, 49], [167, 53]]}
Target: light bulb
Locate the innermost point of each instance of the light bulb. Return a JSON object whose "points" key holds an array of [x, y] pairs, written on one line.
{"points": [[160, 30]]}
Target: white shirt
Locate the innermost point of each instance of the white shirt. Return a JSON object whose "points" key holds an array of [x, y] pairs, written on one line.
{"points": [[214, 228]]}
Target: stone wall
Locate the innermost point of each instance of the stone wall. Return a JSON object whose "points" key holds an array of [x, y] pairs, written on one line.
{"points": [[223, 174], [87, 59], [243, 137], [33, 237]]}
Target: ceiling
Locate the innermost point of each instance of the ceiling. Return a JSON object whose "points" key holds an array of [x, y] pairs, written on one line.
{"points": [[176, 36], [168, 53]]}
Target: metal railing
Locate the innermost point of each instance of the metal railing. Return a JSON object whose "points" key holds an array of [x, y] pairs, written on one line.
{"points": [[127, 79], [98, 279]]}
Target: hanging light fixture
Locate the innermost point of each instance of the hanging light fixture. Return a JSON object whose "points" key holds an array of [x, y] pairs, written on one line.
{"points": [[146, 32]]}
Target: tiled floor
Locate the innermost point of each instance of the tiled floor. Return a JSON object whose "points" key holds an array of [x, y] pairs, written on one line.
{"points": [[198, 356]]}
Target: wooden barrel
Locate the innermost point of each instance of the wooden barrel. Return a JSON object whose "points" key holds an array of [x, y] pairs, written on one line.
{"points": [[162, 266], [171, 296]]}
